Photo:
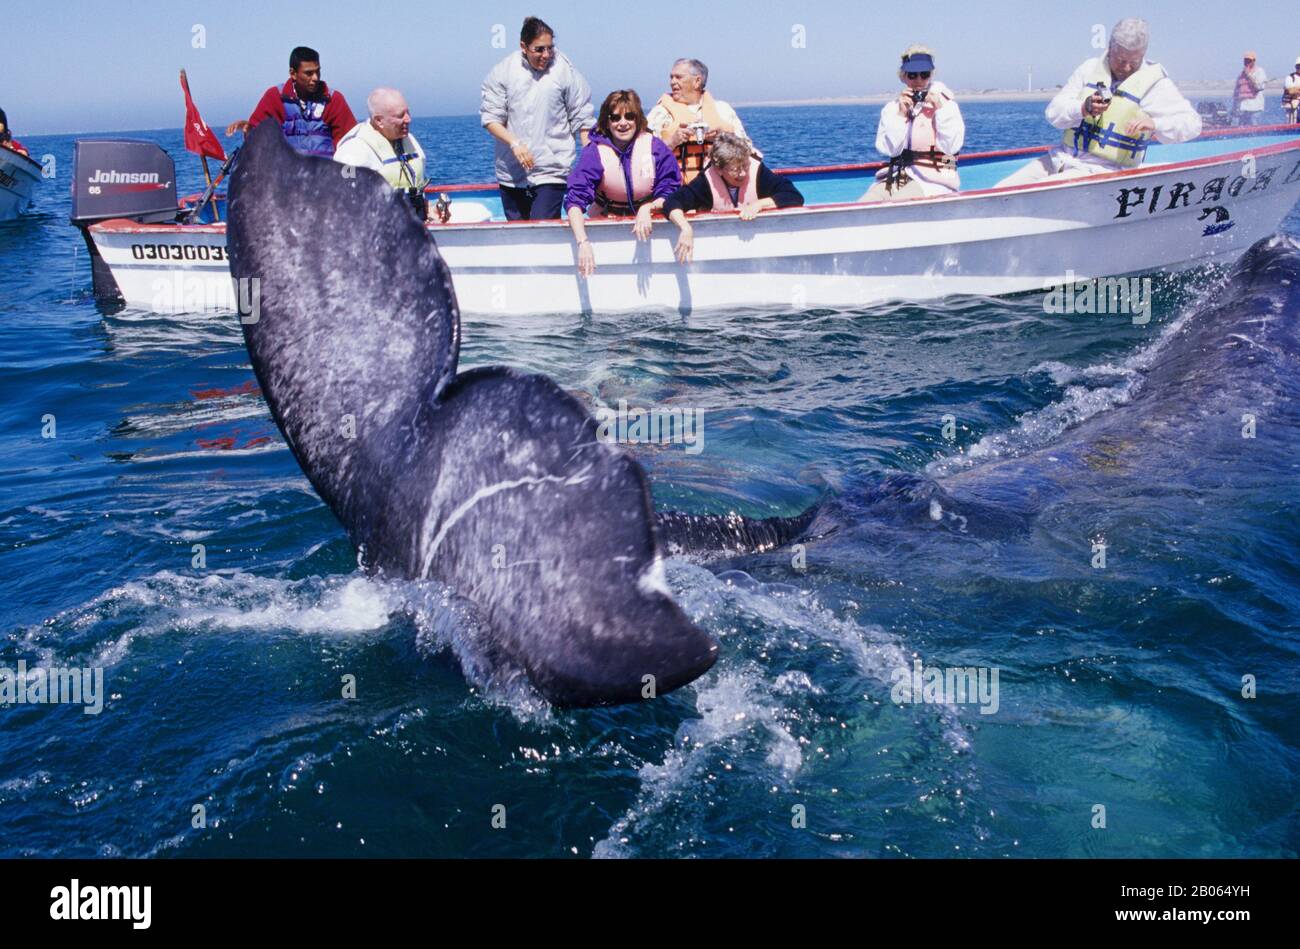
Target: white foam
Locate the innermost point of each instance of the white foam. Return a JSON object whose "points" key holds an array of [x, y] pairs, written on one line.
{"points": [[1089, 391], [730, 707], [743, 712]]}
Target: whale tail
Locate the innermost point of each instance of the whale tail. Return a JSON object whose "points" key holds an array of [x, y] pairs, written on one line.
{"points": [[492, 481]]}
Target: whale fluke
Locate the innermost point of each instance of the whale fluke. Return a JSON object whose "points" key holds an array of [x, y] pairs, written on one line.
{"points": [[492, 481]]}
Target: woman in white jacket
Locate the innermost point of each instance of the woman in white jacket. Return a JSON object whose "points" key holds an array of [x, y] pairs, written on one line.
{"points": [[920, 132]]}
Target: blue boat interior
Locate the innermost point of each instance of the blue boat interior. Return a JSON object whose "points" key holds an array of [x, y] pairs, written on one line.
{"points": [[836, 187]]}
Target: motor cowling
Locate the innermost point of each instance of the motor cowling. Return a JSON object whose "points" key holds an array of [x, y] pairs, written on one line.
{"points": [[122, 178], [119, 178]]}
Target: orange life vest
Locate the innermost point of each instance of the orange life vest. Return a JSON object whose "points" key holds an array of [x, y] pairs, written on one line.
{"points": [[691, 154], [611, 193], [722, 193], [1245, 87]]}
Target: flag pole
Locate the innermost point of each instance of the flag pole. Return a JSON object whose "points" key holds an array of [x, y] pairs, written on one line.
{"points": [[216, 214]]}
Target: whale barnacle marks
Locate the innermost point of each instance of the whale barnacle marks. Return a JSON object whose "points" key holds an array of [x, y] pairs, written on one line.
{"points": [[359, 317]]}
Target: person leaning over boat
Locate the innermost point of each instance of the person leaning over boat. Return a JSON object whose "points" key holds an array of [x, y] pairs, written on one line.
{"points": [[384, 143], [1110, 109], [920, 132], [687, 118], [6, 137], [533, 103], [1291, 94], [1248, 92], [622, 158], [733, 180], [313, 117]]}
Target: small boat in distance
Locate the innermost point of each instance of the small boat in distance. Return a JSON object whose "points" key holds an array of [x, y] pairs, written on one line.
{"points": [[1190, 204], [19, 176]]}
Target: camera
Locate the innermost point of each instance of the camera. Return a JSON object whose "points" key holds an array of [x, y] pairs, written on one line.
{"points": [[698, 130]]}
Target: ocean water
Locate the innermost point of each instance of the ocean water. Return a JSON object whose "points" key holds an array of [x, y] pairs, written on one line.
{"points": [[223, 683]]}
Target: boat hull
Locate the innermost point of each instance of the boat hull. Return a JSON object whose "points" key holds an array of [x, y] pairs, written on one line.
{"points": [[992, 241], [19, 176]]}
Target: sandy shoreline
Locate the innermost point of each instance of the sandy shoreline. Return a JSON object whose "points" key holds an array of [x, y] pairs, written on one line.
{"points": [[1193, 90]]}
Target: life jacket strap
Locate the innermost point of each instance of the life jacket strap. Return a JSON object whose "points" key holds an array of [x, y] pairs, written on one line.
{"points": [[619, 208], [1088, 133]]}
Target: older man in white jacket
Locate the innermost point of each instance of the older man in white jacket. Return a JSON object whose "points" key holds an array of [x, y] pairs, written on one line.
{"points": [[1111, 108], [533, 103]]}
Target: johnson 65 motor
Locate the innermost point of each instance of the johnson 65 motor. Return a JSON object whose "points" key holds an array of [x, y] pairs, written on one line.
{"points": [[119, 178]]}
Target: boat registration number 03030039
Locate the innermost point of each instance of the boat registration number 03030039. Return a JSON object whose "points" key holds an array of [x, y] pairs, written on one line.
{"points": [[178, 252]]}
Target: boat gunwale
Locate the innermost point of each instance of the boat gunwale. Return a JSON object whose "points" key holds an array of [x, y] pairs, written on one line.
{"points": [[127, 226], [8, 153]]}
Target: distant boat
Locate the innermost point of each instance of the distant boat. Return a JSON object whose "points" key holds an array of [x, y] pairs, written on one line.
{"points": [[1190, 204], [19, 176]]}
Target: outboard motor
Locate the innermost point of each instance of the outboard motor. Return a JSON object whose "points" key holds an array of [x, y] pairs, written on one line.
{"points": [[119, 178], [1214, 115]]}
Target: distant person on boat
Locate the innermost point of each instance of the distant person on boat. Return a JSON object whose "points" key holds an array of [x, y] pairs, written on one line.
{"points": [[6, 138], [313, 118], [687, 118], [1291, 94], [1111, 109], [920, 133], [1248, 93], [735, 179], [384, 143], [533, 103], [622, 158]]}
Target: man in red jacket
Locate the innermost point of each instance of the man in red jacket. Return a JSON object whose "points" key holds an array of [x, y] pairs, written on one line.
{"points": [[313, 118]]}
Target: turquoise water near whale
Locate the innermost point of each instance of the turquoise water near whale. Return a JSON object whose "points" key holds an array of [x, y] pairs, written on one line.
{"points": [[223, 684]]}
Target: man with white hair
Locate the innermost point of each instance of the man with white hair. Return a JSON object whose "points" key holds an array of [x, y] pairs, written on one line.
{"points": [[1110, 110], [384, 143], [687, 118]]}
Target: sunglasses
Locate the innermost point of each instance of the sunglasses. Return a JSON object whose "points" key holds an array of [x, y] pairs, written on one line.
{"points": [[622, 116], [919, 75]]}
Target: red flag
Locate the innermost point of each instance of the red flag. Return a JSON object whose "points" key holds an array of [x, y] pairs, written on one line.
{"points": [[198, 137]]}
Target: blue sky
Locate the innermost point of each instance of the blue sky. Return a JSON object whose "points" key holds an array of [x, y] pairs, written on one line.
{"points": [[84, 66]]}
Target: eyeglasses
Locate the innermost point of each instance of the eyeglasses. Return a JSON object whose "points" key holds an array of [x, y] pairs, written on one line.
{"points": [[539, 50], [622, 116], [919, 75]]}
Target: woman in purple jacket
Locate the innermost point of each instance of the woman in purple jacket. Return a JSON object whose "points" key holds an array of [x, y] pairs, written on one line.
{"points": [[624, 170]]}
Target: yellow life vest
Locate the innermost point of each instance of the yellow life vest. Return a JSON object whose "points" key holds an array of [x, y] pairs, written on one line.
{"points": [[691, 154], [1103, 135], [401, 163]]}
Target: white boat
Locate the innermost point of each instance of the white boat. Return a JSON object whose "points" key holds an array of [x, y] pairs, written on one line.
{"points": [[1195, 203], [19, 176]]}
